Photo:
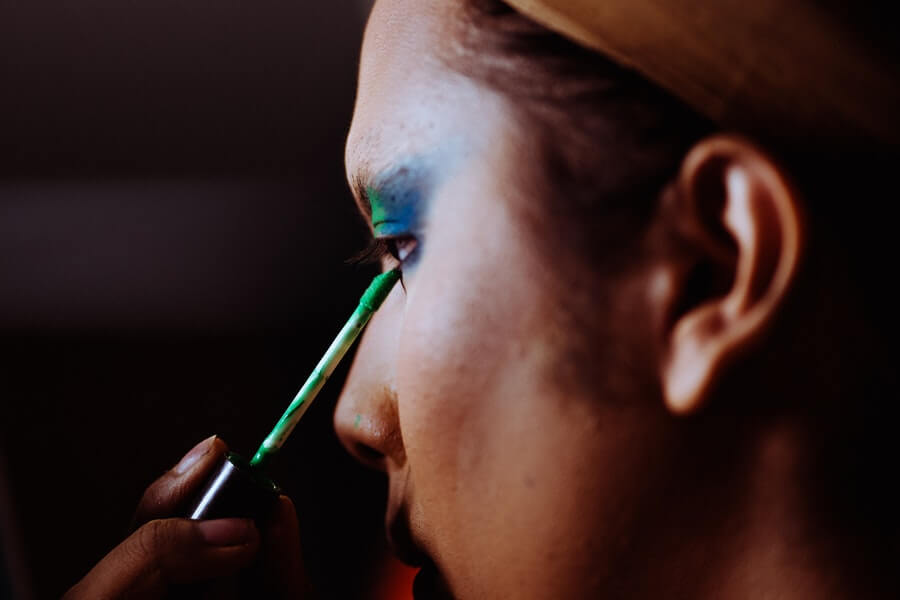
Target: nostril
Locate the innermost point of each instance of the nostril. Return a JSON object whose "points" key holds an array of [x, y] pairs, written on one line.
{"points": [[368, 454], [366, 423]]}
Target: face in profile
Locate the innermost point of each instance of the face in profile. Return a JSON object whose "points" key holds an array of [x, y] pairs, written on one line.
{"points": [[499, 469], [511, 472]]}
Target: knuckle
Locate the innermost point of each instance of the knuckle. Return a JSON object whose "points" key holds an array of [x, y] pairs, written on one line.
{"points": [[154, 536], [157, 547]]}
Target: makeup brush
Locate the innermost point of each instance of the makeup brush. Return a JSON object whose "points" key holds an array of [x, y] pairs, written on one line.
{"points": [[240, 488]]}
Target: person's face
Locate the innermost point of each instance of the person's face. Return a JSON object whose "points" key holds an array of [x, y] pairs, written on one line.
{"points": [[504, 476]]}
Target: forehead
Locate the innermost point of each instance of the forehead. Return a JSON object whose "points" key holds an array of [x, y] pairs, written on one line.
{"points": [[403, 87]]}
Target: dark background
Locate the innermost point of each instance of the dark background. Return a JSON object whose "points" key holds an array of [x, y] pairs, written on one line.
{"points": [[174, 224]]}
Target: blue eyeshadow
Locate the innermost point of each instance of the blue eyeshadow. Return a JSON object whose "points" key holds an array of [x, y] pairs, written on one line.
{"points": [[398, 200]]}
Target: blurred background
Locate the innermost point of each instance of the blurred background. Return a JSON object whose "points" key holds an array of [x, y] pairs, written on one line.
{"points": [[174, 229]]}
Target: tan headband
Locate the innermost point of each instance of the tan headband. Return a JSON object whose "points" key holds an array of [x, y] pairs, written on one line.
{"points": [[787, 71]]}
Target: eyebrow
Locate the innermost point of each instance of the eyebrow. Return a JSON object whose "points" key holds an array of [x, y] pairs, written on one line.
{"points": [[360, 184]]}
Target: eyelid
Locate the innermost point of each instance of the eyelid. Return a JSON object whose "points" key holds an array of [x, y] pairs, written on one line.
{"points": [[389, 228], [382, 247]]}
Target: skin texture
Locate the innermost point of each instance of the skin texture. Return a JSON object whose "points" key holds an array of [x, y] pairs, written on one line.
{"points": [[520, 466], [456, 435], [667, 420]]}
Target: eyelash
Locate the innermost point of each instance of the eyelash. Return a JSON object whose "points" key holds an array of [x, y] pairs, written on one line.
{"points": [[381, 248]]}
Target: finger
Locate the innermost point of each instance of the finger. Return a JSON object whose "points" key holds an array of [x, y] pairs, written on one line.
{"points": [[169, 492], [166, 552], [281, 558]]}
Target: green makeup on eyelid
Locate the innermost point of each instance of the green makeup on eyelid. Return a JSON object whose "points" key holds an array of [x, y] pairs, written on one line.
{"points": [[398, 200]]}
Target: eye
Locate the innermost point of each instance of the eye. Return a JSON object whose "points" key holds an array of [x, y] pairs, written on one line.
{"points": [[401, 246]]}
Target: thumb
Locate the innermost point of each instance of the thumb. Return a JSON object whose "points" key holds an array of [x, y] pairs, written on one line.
{"points": [[168, 494], [170, 551]]}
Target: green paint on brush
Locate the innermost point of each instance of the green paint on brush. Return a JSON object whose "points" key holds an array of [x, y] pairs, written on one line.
{"points": [[356, 421], [371, 300]]}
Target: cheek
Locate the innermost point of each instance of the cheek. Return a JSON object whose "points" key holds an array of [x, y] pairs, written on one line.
{"points": [[492, 448], [466, 299], [453, 345], [449, 359], [468, 378]]}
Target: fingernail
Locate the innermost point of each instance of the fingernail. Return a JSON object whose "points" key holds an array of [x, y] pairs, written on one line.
{"points": [[196, 453], [226, 532]]}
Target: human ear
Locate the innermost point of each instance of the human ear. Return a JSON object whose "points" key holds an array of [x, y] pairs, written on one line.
{"points": [[740, 219]]}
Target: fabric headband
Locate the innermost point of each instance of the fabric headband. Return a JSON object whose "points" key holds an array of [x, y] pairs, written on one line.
{"points": [[795, 73]]}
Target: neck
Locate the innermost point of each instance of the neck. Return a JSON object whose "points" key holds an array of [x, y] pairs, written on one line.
{"points": [[774, 537], [777, 548]]}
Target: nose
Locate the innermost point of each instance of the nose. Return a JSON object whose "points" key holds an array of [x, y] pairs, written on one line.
{"points": [[366, 418]]}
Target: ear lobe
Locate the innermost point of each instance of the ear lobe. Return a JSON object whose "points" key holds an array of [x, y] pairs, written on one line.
{"points": [[728, 188]]}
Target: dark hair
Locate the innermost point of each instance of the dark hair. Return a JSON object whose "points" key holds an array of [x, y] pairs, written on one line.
{"points": [[607, 139], [607, 142]]}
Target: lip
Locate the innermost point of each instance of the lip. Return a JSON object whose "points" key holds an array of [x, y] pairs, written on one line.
{"points": [[400, 538], [429, 585]]}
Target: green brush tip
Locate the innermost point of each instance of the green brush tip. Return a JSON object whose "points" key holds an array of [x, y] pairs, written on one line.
{"points": [[379, 289], [373, 297]]}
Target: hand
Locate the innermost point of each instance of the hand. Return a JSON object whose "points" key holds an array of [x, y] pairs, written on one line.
{"points": [[163, 553]]}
